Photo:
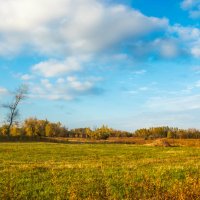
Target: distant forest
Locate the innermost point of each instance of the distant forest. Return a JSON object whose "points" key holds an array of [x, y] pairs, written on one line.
{"points": [[34, 127]]}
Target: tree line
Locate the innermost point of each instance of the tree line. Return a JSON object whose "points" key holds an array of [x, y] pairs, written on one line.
{"points": [[167, 132], [34, 127]]}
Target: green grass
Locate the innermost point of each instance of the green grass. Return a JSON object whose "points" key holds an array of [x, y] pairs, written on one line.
{"points": [[98, 171]]}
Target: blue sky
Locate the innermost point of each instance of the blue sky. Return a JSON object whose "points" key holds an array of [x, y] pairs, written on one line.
{"points": [[128, 64]]}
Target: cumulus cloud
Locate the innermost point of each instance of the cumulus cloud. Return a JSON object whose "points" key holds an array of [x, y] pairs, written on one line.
{"points": [[193, 7], [178, 41], [67, 26], [64, 88], [189, 39], [164, 48], [169, 48], [73, 27], [79, 86], [65, 32], [52, 67]]}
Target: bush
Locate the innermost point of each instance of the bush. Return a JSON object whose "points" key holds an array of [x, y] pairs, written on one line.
{"points": [[104, 136]]}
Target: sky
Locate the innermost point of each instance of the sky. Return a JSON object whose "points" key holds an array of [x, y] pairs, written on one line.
{"points": [[127, 64]]}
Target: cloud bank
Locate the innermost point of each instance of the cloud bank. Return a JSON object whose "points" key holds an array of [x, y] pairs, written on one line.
{"points": [[71, 34], [70, 26]]}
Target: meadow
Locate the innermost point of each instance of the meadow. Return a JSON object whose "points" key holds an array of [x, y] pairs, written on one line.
{"points": [[37, 170]]}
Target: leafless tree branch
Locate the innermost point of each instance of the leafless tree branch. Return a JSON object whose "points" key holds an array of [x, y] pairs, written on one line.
{"points": [[13, 112]]}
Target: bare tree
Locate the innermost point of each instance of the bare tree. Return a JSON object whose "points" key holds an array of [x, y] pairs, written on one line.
{"points": [[12, 107]]}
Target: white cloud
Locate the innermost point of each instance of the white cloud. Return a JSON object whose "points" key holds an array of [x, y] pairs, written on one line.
{"points": [[169, 49], [53, 68], [140, 72], [26, 77], [46, 84], [79, 86], [196, 51], [63, 88], [187, 4], [60, 80], [165, 48], [70, 28], [189, 39], [181, 41], [3, 91], [172, 104], [67, 26], [193, 7], [186, 33]]}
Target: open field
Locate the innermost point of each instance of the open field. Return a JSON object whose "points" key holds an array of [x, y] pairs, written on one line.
{"points": [[110, 140], [98, 171], [134, 140]]}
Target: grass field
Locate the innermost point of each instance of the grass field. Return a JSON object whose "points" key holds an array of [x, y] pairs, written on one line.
{"points": [[98, 171]]}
